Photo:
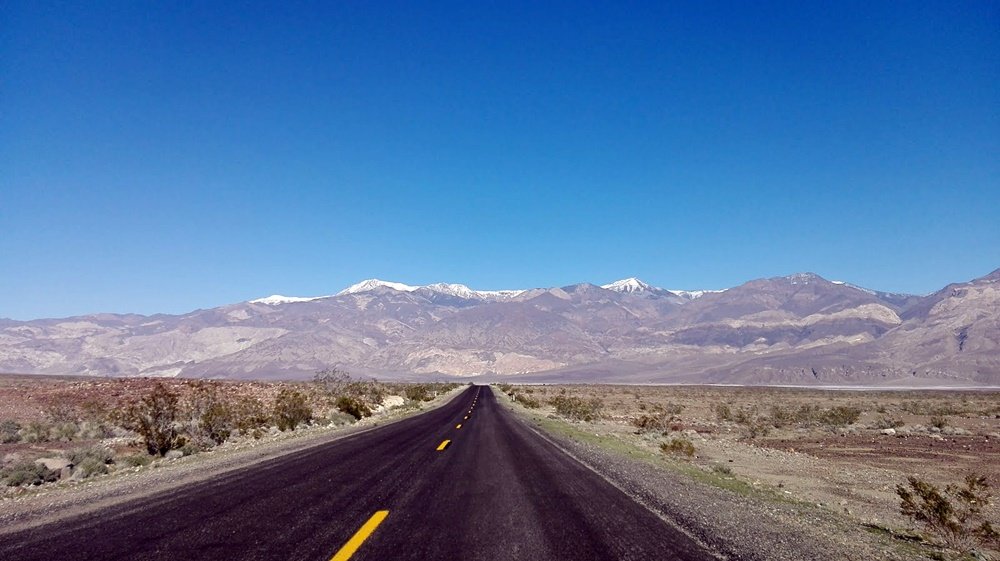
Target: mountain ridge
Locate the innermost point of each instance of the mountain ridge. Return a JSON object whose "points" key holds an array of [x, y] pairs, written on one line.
{"points": [[798, 328]]}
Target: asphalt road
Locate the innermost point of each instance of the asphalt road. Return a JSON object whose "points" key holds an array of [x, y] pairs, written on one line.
{"points": [[496, 491]]}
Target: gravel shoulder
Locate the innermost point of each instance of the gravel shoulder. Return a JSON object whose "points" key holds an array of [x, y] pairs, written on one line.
{"points": [[54, 502], [735, 517]]}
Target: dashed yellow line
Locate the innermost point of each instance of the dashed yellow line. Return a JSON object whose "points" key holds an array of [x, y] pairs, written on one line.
{"points": [[443, 445], [458, 426], [360, 536]]}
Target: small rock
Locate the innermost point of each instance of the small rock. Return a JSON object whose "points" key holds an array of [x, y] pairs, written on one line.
{"points": [[173, 454], [55, 464], [888, 432], [62, 465]]}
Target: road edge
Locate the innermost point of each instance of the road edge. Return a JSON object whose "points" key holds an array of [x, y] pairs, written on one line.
{"points": [[76, 498]]}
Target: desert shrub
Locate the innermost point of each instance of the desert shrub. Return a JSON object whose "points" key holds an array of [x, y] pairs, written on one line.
{"points": [[337, 383], [353, 407], [337, 417], [781, 416], [841, 415], [722, 469], [93, 430], [9, 430], [658, 419], [250, 417], [90, 467], [135, 460], [757, 428], [193, 447], [527, 401], [888, 422], [939, 421], [94, 411], [955, 515], [209, 416], [505, 388], [61, 412], [723, 412], [577, 408], [216, 423], [291, 409], [807, 413], [64, 431], [35, 431], [27, 473], [678, 447], [745, 415], [100, 453], [418, 392], [154, 419]]}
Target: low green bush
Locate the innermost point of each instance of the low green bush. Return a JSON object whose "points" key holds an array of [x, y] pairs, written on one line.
{"points": [[9, 431], [888, 422], [939, 421], [27, 473], [99, 453], [353, 407], [841, 415], [577, 408], [527, 401], [135, 460], [35, 431], [291, 409], [679, 447]]}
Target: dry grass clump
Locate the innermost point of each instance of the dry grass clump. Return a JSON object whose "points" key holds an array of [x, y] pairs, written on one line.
{"points": [[578, 408], [26, 473], [658, 418], [678, 446]]}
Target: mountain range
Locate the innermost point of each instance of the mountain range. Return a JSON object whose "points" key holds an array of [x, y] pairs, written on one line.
{"points": [[800, 329]]}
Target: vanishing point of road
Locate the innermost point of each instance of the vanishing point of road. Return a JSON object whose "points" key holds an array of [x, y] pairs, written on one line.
{"points": [[467, 480]]}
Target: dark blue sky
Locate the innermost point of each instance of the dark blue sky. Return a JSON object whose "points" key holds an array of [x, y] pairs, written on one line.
{"points": [[163, 158]]}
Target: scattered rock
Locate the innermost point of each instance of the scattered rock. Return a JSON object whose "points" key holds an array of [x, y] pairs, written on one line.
{"points": [[889, 432], [62, 465], [391, 401]]}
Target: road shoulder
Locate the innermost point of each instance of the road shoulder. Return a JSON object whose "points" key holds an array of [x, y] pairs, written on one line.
{"points": [[58, 501], [729, 515]]}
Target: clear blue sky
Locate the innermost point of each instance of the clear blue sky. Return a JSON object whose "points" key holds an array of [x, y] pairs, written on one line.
{"points": [[163, 158]]}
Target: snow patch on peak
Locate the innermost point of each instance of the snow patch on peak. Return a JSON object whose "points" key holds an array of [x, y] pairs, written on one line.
{"points": [[372, 284], [463, 291], [629, 286], [693, 294], [452, 289], [277, 299]]}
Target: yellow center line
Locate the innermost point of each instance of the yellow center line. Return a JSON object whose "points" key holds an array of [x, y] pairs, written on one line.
{"points": [[466, 417], [443, 445], [360, 536], [458, 426]]}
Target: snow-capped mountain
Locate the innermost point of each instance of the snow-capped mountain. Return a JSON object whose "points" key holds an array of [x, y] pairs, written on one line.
{"points": [[796, 329], [373, 284], [449, 289], [630, 285], [633, 285]]}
